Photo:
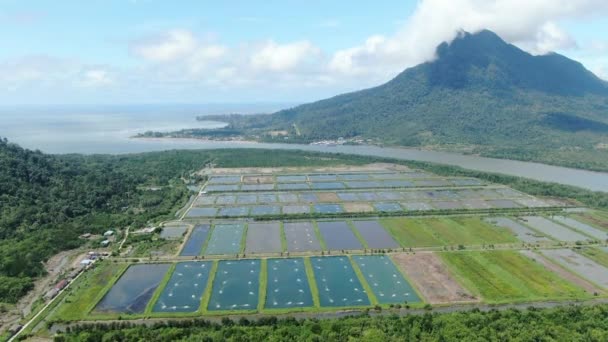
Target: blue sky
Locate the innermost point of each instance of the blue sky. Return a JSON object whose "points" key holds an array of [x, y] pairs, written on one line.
{"points": [[153, 51]]}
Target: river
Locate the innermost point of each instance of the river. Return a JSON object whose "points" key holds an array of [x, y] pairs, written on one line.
{"points": [[108, 130]]}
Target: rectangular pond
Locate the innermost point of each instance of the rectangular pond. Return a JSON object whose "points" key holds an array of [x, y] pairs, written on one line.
{"points": [[261, 210], [387, 207], [583, 227], [293, 186], [328, 208], [184, 291], [301, 237], [225, 179], [226, 199], [287, 284], [387, 283], [553, 229], [374, 234], [263, 238], [173, 232], [202, 212], [225, 239], [522, 232], [132, 292], [338, 235], [218, 188], [355, 176], [236, 285], [327, 186], [580, 264], [234, 211], [195, 242], [267, 198], [246, 199], [295, 209], [291, 178], [337, 282]]}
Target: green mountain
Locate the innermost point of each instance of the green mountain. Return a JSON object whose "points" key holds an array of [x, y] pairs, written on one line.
{"points": [[480, 94]]}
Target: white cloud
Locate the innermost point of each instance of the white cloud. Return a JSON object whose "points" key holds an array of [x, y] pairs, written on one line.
{"points": [[179, 61], [96, 77], [276, 57], [531, 24], [166, 47]]}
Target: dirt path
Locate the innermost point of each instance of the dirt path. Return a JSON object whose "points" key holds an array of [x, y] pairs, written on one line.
{"points": [[432, 278], [55, 266]]}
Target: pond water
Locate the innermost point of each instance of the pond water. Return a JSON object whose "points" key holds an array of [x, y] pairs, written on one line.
{"points": [[195, 242], [287, 284], [385, 280], [133, 290], [184, 291], [236, 285], [337, 282]]}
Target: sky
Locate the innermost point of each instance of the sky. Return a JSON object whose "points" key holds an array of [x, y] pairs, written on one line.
{"points": [[289, 51]]}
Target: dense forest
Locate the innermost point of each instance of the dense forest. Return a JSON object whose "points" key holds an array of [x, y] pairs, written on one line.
{"points": [[47, 201], [572, 323], [480, 95]]}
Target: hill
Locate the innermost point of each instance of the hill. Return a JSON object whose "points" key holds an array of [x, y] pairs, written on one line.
{"points": [[480, 95], [47, 201]]}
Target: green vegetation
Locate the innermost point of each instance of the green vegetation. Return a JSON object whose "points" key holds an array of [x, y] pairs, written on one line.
{"points": [[508, 276], [47, 201], [596, 218], [312, 282], [572, 323], [368, 290], [409, 232], [429, 232], [150, 245], [84, 294], [481, 95], [595, 254], [159, 290], [263, 284]]}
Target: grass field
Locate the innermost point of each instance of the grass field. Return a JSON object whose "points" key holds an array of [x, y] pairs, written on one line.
{"points": [[410, 232], [595, 254], [428, 232], [595, 218], [86, 292], [508, 276]]}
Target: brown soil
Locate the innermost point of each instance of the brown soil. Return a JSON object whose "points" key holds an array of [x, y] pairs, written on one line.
{"points": [[431, 277], [593, 220], [328, 197], [357, 207], [258, 179], [562, 272]]}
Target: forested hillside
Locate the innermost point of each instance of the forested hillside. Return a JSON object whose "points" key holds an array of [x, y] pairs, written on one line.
{"points": [[480, 94], [47, 201]]}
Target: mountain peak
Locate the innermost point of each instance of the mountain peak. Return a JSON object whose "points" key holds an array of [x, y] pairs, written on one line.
{"points": [[484, 60]]}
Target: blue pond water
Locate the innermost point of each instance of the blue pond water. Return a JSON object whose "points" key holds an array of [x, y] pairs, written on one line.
{"points": [[287, 284], [236, 285], [196, 240], [133, 290], [184, 291]]}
